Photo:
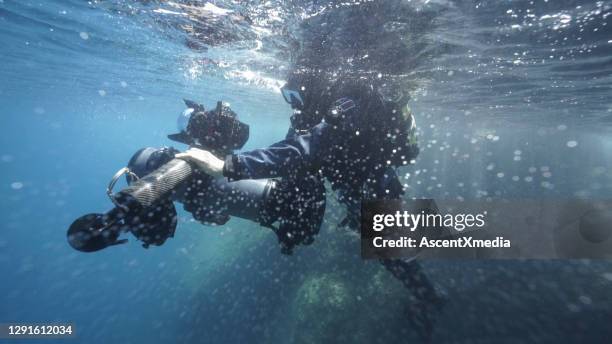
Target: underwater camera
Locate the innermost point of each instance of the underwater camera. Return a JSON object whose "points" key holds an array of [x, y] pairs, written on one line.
{"points": [[156, 180], [145, 207]]}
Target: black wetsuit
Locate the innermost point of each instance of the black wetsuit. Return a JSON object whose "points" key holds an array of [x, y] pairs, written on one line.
{"points": [[354, 161]]}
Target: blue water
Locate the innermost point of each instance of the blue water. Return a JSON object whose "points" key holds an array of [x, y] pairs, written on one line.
{"points": [[512, 99]]}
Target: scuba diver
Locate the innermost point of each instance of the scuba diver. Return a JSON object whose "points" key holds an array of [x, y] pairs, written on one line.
{"points": [[345, 131]]}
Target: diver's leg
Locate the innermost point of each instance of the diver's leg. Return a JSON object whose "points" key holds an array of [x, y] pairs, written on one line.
{"points": [[426, 300], [410, 273]]}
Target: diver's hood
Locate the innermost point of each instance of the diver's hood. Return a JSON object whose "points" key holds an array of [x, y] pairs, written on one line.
{"points": [[319, 89], [310, 84]]}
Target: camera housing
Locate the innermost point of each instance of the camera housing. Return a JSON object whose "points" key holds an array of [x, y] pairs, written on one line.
{"points": [[218, 130]]}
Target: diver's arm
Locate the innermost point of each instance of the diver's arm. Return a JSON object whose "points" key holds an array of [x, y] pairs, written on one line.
{"points": [[280, 159], [283, 158]]}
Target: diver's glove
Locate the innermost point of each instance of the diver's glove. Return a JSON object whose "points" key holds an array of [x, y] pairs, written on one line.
{"points": [[206, 161], [197, 200]]}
